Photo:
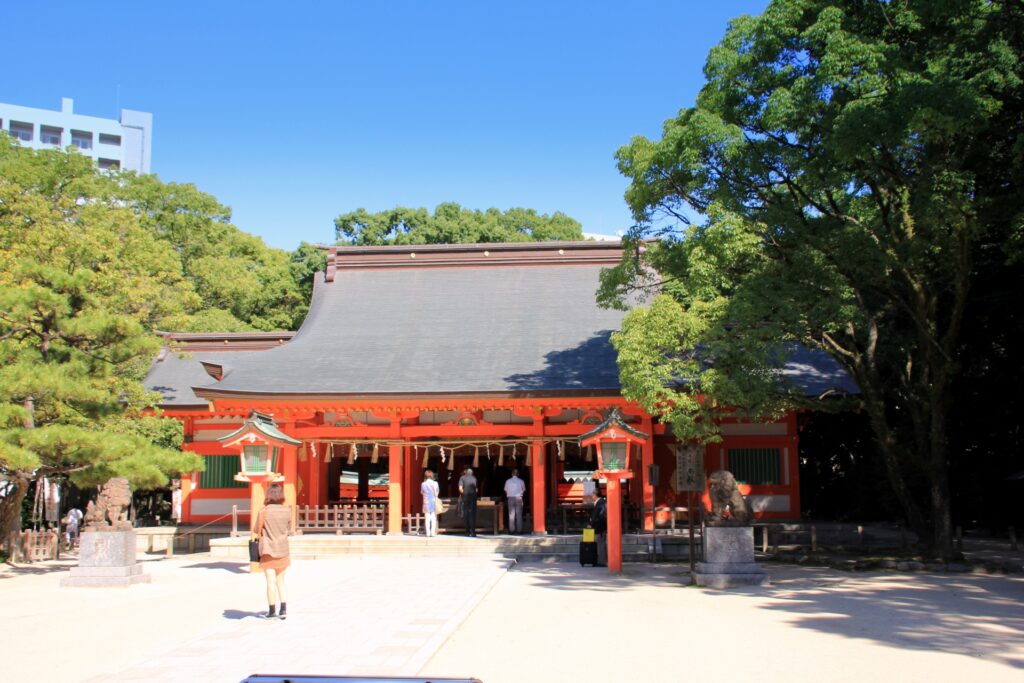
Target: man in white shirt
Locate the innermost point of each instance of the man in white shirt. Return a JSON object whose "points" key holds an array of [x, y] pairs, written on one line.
{"points": [[514, 490]]}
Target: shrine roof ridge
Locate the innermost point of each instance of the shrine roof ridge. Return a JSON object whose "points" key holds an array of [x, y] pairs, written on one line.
{"points": [[484, 255]]}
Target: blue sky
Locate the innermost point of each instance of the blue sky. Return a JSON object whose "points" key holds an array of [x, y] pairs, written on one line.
{"points": [[292, 113]]}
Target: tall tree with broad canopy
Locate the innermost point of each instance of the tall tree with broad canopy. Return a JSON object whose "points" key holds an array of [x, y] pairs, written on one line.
{"points": [[848, 170], [241, 283], [82, 284], [452, 224]]}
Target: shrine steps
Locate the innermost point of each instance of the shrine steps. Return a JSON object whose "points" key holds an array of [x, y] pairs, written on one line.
{"points": [[548, 548]]}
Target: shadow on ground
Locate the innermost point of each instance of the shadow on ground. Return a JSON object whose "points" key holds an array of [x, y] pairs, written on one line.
{"points": [[11, 570], [232, 567], [570, 577], [976, 616], [967, 614], [239, 614]]}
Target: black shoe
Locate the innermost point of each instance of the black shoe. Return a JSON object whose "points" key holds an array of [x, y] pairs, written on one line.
{"points": [[282, 616], [267, 615]]}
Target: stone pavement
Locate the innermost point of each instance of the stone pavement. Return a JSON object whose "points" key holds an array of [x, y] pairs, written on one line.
{"points": [[197, 620], [464, 616], [566, 623]]}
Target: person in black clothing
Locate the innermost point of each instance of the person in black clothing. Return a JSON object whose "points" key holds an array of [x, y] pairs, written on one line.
{"points": [[599, 520], [468, 489]]}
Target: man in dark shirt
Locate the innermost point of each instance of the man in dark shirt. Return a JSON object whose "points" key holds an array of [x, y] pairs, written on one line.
{"points": [[599, 520], [468, 490]]}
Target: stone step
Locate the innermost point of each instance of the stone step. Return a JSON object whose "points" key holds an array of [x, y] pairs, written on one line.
{"points": [[561, 548]]}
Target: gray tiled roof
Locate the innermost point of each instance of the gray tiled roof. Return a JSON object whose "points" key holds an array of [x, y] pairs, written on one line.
{"points": [[445, 330], [442, 330], [173, 375], [816, 372]]}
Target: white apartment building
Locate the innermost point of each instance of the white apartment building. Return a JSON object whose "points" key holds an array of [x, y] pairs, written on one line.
{"points": [[126, 143]]}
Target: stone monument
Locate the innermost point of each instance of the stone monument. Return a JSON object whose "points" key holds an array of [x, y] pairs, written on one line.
{"points": [[107, 546], [728, 539]]}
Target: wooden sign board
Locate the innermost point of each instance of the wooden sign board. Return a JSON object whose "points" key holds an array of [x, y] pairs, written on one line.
{"points": [[689, 468]]}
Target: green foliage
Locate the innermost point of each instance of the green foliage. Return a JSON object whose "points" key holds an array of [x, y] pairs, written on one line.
{"points": [[452, 224], [82, 285], [854, 162], [231, 272], [307, 260]]}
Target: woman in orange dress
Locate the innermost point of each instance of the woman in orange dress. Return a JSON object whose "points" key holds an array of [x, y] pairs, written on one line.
{"points": [[275, 522]]}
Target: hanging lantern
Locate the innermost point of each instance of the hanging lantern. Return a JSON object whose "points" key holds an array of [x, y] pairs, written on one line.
{"points": [[426, 455], [352, 453], [589, 457], [476, 457], [501, 455], [376, 454], [560, 447]]}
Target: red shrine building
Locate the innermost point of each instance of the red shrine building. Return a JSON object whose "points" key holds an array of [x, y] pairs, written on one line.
{"points": [[490, 356]]}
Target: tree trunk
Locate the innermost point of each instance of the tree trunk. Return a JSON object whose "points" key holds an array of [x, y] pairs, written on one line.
{"points": [[942, 519], [890, 448], [10, 507]]}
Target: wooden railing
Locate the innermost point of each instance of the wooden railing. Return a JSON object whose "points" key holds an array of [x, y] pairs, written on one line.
{"points": [[342, 519], [414, 524], [33, 546]]}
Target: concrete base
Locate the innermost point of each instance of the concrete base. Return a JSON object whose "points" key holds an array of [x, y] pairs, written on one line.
{"points": [[729, 559], [106, 558]]}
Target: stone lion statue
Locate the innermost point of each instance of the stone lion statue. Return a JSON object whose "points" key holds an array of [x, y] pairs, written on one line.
{"points": [[726, 498], [110, 511]]}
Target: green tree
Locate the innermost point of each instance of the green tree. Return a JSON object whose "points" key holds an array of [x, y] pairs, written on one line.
{"points": [[82, 284], [857, 162], [306, 261], [241, 283], [452, 224]]}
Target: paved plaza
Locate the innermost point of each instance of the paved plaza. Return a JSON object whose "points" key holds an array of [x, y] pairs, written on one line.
{"points": [[470, 616]]}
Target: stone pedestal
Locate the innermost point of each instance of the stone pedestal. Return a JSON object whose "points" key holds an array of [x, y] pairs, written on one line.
{"points": [[729, 558], [106, 558]]}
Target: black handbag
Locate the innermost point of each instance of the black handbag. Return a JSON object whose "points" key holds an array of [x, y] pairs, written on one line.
{"points": [[254, 550]]}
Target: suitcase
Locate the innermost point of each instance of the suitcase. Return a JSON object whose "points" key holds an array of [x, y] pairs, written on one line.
{"points": [[588, 553]]}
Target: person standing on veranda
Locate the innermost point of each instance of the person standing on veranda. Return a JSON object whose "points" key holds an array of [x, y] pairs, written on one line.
{"points": [[276, 521], [468, 489], [430, 491], [514, 490]]}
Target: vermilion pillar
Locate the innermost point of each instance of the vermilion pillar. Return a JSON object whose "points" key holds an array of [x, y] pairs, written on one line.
{"points": [[614, 489], [537, 477], [395, 470], [409, 465]]}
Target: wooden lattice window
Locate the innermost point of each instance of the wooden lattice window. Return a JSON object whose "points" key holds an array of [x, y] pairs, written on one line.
{"points": [[755, 466], [220, 473]]}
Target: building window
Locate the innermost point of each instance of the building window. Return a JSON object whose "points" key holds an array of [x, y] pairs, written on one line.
{"points": [[82, 139], [220, 473], [755, 466], [107, 164], [21, 131], [106, 139], [50, 135]]}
